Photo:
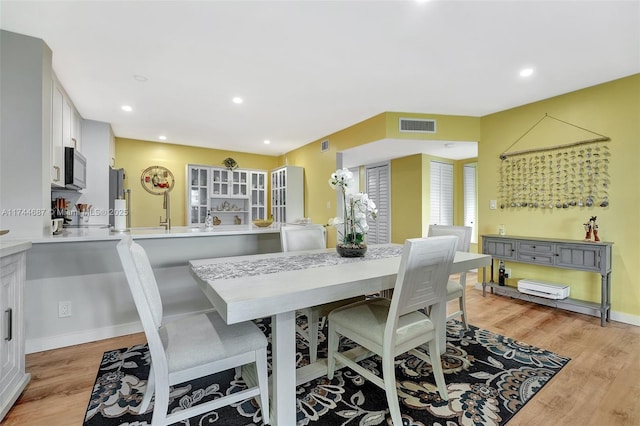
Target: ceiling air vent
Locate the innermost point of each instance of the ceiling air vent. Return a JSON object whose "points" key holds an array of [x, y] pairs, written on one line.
{"points": [[417, 125], [324, 146]]}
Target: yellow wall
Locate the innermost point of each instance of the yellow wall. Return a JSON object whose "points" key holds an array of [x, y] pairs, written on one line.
{"points": [[136, 155], [407, 209], [611, 109], [320, 199]]}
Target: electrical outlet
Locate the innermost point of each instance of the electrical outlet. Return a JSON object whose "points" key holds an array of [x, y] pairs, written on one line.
{"points": [[507, 272], [493, 204], [64, 309]]}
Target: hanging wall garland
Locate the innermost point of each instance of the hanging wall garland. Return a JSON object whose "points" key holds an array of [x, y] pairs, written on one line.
{"points": [[563, 176]]}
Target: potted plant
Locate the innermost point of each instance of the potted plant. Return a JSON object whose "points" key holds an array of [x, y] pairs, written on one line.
{"points": [[357, 208]]}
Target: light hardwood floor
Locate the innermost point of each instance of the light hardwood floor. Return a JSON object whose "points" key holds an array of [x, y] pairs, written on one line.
{"points": [[599, 386]]}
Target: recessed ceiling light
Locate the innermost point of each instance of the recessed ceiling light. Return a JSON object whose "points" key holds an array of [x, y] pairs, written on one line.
{"points": [[127, 108], [267, 142], [162, 137], [526, 72], [237, 100], [140, 78]]}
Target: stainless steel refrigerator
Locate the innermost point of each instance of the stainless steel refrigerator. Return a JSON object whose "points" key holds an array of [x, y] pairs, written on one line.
{"points": [[118, 191]]}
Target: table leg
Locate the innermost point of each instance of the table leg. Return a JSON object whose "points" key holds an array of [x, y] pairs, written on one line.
{"points": [[283, 373]]}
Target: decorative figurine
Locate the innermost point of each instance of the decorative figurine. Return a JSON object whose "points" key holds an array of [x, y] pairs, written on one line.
{"points": [[208, 222], [216, 221], [237, 220], [591, 228]]}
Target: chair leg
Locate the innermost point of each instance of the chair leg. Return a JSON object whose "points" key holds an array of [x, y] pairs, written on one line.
{"points": [[462, 300], [463, 310], [148, 393], [263, 384], [389, 375], [160, 405], [436, 366], [332, 348], [312, 330]]}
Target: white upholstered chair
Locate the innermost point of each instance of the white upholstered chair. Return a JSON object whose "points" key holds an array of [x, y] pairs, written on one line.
{"points": [[310, 237], [390, 327], [190, 347], [456, 289]]}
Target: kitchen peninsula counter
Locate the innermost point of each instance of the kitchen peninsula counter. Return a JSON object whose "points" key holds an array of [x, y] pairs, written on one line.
{"points": [[81, 266], [102, 233]]}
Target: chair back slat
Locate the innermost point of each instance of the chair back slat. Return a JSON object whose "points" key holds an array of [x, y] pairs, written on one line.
{"points": [[142, 282], [462, 232], [423, 274], [302, 237]]}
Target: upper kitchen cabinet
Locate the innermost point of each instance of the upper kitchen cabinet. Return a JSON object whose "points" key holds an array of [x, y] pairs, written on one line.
{"points": [[76, 130], [66, 130], [287, 194], [57, 147]]}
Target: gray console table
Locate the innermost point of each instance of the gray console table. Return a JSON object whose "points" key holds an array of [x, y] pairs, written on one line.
{"points": [[568, 254]]}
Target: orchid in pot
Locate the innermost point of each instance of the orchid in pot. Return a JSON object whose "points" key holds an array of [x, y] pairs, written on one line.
{"points": [[357, 208]]}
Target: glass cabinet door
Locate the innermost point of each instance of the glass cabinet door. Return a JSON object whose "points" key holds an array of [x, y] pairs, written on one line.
{"points": [[198, 195]]}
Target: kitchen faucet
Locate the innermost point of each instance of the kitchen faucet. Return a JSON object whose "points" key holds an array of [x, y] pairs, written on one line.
{"points": [[166, 205]]}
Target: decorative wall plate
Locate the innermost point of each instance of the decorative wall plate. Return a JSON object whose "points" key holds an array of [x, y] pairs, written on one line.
{"points": [[157, 180]]}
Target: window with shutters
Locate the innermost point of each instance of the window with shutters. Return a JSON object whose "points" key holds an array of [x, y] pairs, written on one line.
{"points": [[441, 193], [470, 199], [378, 186]]}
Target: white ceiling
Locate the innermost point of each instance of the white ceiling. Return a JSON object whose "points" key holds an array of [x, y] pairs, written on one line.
{"points": [[309, 68]]}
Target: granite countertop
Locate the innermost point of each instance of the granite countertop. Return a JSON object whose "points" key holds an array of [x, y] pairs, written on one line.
{"points": [[102, 233]]}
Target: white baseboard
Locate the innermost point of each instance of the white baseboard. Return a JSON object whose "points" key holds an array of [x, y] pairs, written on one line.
{"points": [[86, 336], [615, 316]]}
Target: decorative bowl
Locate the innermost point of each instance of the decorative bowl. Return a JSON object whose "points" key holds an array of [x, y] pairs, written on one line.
{"points": [[263, 223]]}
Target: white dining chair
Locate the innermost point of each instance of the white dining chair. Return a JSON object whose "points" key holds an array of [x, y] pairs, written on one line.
{"points": [[190, 347], [456, 289], [310, 237], [390, 327]]}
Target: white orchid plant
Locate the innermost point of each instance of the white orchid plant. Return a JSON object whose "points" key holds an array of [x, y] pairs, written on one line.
{"points": [[357, 209]]}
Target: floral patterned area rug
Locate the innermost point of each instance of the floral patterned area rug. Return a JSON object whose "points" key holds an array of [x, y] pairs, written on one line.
{"points": [[489, 378]]}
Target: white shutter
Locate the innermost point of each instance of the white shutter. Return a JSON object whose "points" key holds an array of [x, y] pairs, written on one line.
{"points": [[470, 199], [441, 193], [378, 188]]}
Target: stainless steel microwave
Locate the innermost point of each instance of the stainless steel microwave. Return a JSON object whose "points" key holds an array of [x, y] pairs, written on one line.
{"points": [[75, 169]]}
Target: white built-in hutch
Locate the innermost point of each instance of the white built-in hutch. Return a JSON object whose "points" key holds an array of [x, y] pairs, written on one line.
{"points": [[239, 196]]}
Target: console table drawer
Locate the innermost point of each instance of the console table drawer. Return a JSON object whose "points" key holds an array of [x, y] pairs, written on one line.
{"points": [[535, 247], [540, 259]]}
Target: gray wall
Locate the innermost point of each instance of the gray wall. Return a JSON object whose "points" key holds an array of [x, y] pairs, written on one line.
{"points": [[25, 131]]}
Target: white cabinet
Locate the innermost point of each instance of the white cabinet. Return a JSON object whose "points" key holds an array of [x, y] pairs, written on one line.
{"points": [[228, 183], [57, 147], [287, 194], [71, 125], [66, 131], [197, 194], [76, 130], [229, 196], [258, 195], [13, 377], [234, 197]]}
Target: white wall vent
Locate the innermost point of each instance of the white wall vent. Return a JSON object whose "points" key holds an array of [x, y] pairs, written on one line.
{"points": [[417, 125], [324, 146]]}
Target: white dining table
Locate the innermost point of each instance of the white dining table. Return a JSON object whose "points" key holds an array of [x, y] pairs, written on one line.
{"points": [[245, 288]]}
